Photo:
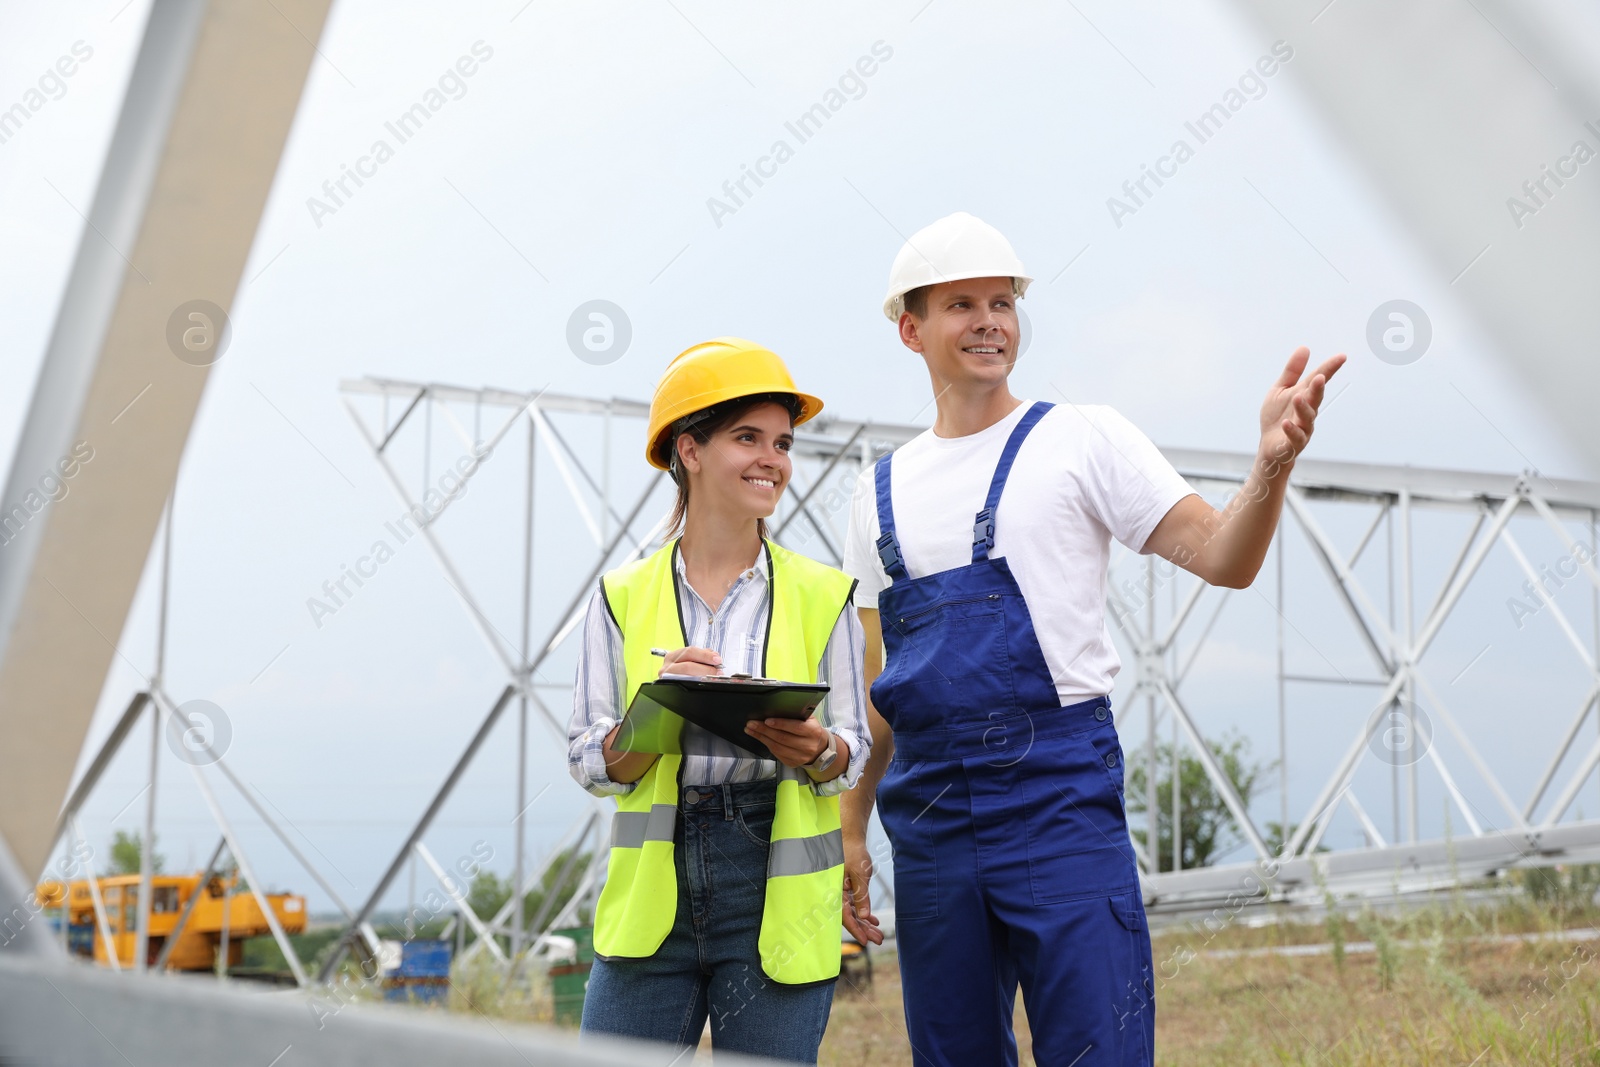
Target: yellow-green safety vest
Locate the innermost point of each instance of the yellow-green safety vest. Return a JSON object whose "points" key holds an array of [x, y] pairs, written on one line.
{"points": [[799, 939]]}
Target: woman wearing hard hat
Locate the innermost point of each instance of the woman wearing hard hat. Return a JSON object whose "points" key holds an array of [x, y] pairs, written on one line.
{"points": [[723, 889], [982, 547]]}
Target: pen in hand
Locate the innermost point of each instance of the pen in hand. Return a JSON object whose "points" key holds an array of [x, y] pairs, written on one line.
{"points": [[702, 662]]}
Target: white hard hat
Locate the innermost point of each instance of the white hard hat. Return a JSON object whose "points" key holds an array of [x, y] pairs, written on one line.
{"points": [[955, 247]]}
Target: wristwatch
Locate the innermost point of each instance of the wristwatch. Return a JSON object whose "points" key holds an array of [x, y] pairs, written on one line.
{"points": [[821, 764]]}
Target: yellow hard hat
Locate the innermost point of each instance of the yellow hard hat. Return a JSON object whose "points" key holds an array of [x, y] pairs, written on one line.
{"points": [[712, 372]]}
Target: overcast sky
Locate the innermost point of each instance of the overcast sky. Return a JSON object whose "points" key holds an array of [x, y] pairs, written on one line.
{"points": [[585, 157]]}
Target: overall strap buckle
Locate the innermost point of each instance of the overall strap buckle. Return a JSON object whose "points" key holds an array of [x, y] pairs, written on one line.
{"points": [[983, 531], [894, 563]]}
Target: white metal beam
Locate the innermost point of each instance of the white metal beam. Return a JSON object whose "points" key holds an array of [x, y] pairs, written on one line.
{"points": [[1561, 750], [1484, 770], [102, 922], [255, 883], [449, 886], [1574, 786], [1317, 478], [1208, 760], [1580, 557], [1547, 601], [486, 629], [1380, 871], [1341, 776], [1368, 827], [1379, 640], [195, 148]]}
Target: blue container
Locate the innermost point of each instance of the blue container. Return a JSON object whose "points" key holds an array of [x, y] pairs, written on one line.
{"points": [[80, 939], [425, 959]]}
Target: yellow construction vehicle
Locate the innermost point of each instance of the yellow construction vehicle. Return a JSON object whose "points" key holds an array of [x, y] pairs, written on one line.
{"points": [[221, 910]]}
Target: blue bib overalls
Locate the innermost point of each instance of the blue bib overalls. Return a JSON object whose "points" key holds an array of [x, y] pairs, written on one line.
{"points": [[1011, 854]]}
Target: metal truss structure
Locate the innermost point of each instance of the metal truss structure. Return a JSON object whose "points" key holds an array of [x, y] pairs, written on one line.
{"points": [[829, 454], [1407, 702], [165, 715]]}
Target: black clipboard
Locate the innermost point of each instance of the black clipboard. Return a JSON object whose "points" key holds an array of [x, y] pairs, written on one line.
{"points": [[721, 706]]}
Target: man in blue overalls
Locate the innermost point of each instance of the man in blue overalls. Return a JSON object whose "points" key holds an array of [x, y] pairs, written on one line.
{"points": [[981, 550]]}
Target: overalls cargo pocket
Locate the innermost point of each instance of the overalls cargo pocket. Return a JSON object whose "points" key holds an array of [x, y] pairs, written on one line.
{"points": [[1077, 832], [956, 656], [902, 806]]}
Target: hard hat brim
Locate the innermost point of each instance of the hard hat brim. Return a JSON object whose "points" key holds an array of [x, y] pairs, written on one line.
{"points": [[894, 305], [810, 406]]}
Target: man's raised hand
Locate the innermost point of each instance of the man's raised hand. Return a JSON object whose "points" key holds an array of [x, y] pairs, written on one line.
{"points": [[1289, 413]]}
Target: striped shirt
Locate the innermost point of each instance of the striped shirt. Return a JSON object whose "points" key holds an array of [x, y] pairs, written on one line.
{"points": [[736, 631]]}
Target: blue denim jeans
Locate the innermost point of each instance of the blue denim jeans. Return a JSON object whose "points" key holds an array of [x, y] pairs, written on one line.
{"points": [[709, 966]]}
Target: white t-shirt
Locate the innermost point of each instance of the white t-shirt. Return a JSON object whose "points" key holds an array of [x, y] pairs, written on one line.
{"points": [[1084, 475]]}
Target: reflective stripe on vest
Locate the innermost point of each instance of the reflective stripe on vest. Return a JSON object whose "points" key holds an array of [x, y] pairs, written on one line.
{"points": [[631, 829], [799, 938], [806, 855]]}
